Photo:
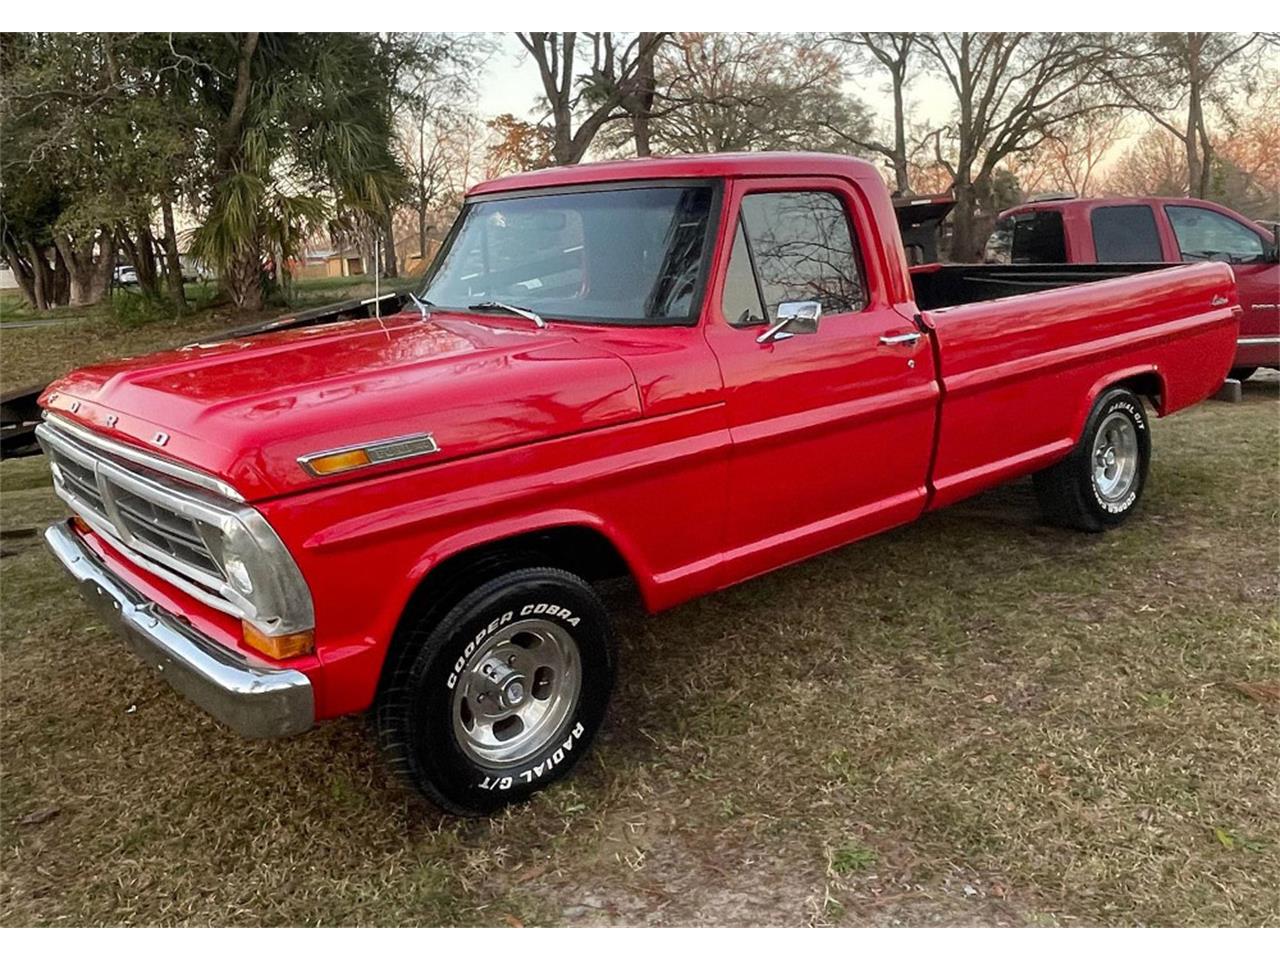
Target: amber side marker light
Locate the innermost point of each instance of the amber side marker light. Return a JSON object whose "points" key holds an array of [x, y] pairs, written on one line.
{"points": [[329, 462], [278, 648], [80, 526], [338, 462]]}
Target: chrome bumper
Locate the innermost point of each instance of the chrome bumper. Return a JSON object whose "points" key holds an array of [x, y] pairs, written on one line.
{"points": [[253, 699]]}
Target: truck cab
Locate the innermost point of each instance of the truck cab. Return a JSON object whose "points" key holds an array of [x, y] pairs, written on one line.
{"points": [[1156, 230]]}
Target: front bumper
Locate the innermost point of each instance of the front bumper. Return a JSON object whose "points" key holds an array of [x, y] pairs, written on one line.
{"points": [[252, 698]]}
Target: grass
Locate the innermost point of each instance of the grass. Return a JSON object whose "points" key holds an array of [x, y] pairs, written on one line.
{"points": [[70, 337], [972, 720]]}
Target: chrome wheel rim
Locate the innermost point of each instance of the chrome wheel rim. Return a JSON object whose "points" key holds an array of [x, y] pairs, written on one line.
{"points": [[516, 691], [1115, 457]]}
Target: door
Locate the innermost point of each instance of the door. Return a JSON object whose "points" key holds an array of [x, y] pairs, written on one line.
{"points": [[832, 430], [1204, 234]]}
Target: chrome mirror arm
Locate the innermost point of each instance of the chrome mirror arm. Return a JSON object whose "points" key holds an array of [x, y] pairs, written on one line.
{"points": [[773, 332]]}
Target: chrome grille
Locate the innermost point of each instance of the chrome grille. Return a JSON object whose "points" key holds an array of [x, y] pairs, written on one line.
{"points": [[146, 515], [179, 537], [178, 523], [78, 479]]}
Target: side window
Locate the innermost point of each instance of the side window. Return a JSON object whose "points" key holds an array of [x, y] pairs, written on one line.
{"points": [[1126, 234], [741, 301], [1207, 235], [1000, 243], [803, 249], [1038, 238]]}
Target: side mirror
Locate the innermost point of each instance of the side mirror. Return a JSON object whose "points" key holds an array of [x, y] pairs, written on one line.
{"points": [[1273, 255], [797, 316]]}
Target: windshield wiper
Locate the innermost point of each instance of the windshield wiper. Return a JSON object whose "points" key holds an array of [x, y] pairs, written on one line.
{"points": [[518, 311]]}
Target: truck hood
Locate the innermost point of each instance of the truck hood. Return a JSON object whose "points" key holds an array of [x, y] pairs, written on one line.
{"points": [[246, 410]]}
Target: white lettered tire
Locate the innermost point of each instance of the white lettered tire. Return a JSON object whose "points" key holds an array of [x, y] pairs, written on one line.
{"points": [[1101, 482], [503, 695]]}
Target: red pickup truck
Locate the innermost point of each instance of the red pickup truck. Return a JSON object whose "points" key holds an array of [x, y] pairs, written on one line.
{"points": [[1157, 230], [684, 371]]}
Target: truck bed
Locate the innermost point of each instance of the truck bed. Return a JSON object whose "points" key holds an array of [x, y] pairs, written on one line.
{"points": [[941, 285], [1019, 372]]}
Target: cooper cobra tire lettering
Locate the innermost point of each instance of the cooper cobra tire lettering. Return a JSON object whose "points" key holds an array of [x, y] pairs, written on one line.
{"points": [[495, 624], [550, 610], [539, 770]]}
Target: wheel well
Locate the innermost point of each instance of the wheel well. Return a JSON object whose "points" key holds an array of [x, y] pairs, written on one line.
{"points": [[582, 551], [1146, 385]]}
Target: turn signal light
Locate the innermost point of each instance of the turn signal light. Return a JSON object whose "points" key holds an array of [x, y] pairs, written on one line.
{"points": [[338, 462], [278, 648], [80, 526]]}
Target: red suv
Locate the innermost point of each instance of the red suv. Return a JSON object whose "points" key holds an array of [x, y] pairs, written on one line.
{"points": [[1156, 230]]}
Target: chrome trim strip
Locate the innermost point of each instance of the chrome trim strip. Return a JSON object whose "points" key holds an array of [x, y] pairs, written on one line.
{"points": [[141, 457], [379, 451], [253, 698], [1257, 341]]}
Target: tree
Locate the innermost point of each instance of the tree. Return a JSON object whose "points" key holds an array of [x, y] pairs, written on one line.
{"points": [[893, 54], [736, 91], [92, 143], [1011, 90], [518, 145], [579, 104], [1155, 166], [1251, 148], [639, 101], [1070, 157], [301, 134], [436, 132], [1176, 79]]}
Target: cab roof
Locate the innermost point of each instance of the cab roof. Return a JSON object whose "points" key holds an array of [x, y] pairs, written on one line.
{"points": [[695, 166]]}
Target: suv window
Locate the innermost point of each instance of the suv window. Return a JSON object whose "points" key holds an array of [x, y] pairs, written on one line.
{"points": [[801, 247], [1126, 234], [1207, 235], [1034, 237]]}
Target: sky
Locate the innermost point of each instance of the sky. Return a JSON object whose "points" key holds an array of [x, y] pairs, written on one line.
{"points": [[511, 85]]}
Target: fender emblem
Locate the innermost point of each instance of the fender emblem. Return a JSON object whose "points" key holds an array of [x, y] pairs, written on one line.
{"points": [[361, 455], [1218, 301]]}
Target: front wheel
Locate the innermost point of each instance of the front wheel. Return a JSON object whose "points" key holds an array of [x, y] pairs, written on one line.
{"points": [[1100, 483], [503, 694]]}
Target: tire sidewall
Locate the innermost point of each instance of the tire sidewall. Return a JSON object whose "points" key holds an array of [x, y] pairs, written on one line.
{"points": [[1124, 401], [435, 756]]}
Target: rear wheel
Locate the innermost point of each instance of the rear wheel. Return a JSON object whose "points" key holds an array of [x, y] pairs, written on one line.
{"points": [[503, 694], [1242, 373], [1100, 483]]}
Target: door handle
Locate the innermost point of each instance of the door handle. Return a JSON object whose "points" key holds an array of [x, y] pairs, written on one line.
{"points": [[891, 340]]}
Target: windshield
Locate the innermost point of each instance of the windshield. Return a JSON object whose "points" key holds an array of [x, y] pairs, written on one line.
{"points": [[621, 255]]}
